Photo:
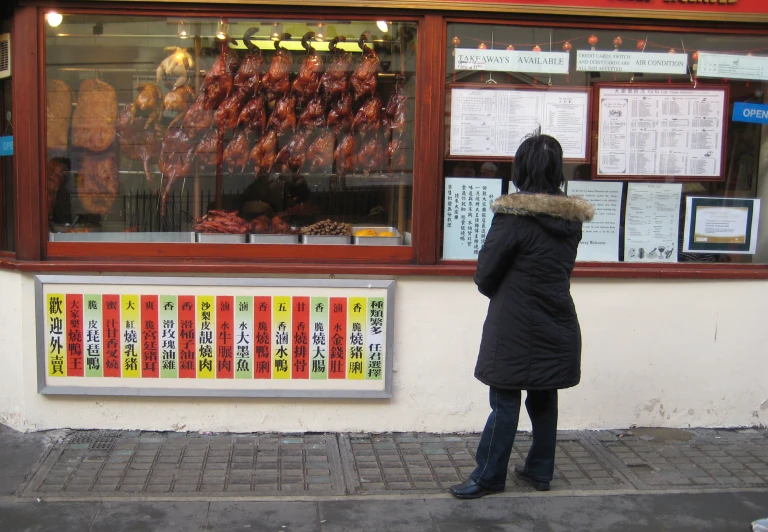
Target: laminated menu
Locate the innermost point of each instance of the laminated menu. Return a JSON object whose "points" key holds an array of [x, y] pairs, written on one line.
{"points": [[494, 122], [661, 132], [652, 222]]}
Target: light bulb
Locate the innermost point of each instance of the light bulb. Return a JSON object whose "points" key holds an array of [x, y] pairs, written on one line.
{"points": [[221, 30], [276, 32], [183, 33], [54, 19], [382, 25]]}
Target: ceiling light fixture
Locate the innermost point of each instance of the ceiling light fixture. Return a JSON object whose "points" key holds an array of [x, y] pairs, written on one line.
{"points": [[382, 25], [221, 30], [54, 19], [277, 31], [183, 33]]}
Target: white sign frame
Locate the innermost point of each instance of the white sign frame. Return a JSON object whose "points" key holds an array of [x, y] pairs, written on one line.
{"points": [[631, 62], [499, 144], [528, 62]]}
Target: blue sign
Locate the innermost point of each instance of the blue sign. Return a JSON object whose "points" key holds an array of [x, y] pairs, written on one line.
{"points": [[754, 113], [6, 146]]}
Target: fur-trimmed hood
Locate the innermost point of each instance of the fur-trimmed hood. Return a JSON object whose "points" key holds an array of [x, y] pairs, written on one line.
{"points": [[568, 208]]}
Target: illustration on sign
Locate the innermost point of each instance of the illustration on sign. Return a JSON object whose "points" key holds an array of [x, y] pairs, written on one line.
{"points": [[117, 337]]}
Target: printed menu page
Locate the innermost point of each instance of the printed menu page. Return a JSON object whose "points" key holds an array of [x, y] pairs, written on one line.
{"points": [[660, 132], [495, 122], [600, 237], [652, 222]]}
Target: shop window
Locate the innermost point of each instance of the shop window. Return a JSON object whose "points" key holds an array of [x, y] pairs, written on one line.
{"points": [[665, 132], [230, 130], [7, 190]]}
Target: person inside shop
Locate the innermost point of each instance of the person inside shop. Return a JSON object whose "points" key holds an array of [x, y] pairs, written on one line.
{"points": [[488, 169], [531, 338]]}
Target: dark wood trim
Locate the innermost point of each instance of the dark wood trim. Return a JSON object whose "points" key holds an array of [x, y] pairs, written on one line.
{"points": [[196, 267], [428, 178], [27, 140], [267, 253]]}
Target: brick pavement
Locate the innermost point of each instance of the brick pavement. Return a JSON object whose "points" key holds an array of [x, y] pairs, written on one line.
{"points": [[129, 464]]}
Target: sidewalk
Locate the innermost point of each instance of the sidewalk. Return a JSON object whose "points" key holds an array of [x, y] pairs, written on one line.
{"points": [[652, 479]]}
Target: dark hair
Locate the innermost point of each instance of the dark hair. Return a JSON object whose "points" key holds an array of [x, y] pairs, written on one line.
{"points": [[539, 165]]}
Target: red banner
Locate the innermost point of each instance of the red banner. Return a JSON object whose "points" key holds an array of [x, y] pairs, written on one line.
{"points": [[300, 321], [187, 362], [665, 6], [262, 341], [75, 364], [150, 361], [225, 343], [338, 339], [111, 334]]}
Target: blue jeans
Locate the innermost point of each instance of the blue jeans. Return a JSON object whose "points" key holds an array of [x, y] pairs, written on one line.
{"points": [[499, 435]]}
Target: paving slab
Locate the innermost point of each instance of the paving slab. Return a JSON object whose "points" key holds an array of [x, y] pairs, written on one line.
{"points": [[264, 516], [492, 514], [150, 517], [47, 517], [376, 516], [594, 514], [705, 512], [19, 453]]}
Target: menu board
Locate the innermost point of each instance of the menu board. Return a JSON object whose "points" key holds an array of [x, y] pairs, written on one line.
{"points": [[649, 131], [600, 237], [652, 222], [494, 122], [205, 336], [467, 215]]}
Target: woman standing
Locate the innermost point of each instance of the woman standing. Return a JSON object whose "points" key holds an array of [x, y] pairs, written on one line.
{"points": [[531, 337]]}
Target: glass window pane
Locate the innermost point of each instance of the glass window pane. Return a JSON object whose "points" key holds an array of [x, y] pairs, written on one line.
{"points": [[7, 190], [744, 163], [170, 126]]}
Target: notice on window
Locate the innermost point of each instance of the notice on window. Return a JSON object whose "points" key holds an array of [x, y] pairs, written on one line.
{"points": [[600, 237], [732, 66], [631, 62], [468, 215], [127, 336], [652, 222], [512, 61], [721, 225], [660, 132], [495, 122]]}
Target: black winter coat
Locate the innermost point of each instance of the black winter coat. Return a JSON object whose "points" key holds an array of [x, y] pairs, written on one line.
{"points": [[531, 337]]}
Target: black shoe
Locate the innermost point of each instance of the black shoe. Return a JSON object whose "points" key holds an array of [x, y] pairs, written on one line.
{"points": [[469, 489], [523, 474]]}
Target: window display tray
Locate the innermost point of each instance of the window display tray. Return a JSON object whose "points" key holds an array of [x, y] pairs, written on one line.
{"points": [[324, 240], [273, 239], [210, 238], [123, 237], [377, 240]]}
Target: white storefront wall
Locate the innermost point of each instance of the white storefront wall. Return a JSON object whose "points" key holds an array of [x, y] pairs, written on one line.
{"points": [[667, 353]]}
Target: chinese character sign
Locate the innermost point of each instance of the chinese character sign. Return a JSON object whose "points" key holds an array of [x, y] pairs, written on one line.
{"points": [[176, 340], [467, 215]]}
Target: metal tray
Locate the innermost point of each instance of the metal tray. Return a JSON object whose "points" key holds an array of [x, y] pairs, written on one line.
{"points": [[377, 240], [273, 239], [211, 238], [123, 237], [326, 240]]}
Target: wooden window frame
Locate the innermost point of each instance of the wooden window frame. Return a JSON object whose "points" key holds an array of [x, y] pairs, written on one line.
{"points": [[35, 253]]}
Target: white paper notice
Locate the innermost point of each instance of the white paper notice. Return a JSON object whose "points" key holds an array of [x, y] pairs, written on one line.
{"points": [[660, 132], [600, 237], [732, 66], [652, 222], [495, 122], [467, 215], [730, 227], [512, 61], [632, 62]]}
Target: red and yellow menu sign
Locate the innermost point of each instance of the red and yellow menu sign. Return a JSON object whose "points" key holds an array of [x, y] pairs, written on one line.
{"points": [[159, 337]]}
